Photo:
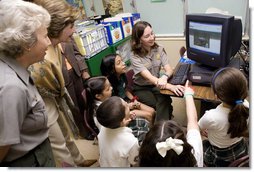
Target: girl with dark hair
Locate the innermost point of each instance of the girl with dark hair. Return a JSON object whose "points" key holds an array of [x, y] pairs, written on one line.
{"points": [[98, 90], [168, 145], [114, 68], [147, 59], [227, 124], [118, 146]]}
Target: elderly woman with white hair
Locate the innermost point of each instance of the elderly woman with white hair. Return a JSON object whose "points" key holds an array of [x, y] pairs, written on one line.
{"points": [[23, 122]]}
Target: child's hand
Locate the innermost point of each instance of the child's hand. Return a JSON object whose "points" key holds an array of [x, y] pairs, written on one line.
{"points": [[132, 115], [128, 119], [131, 105], [187, 89], [136, 104], [204, 133], [126, 122]]}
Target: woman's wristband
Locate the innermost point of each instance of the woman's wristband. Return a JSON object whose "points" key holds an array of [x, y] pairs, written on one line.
{"points": [[166, 75]]}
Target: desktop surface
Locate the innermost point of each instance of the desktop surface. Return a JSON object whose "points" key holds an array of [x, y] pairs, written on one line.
{"points": [[200, 92], [203, 91]]}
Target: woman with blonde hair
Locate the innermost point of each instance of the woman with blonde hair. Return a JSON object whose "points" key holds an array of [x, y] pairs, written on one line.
{"points": [[49, 80]]}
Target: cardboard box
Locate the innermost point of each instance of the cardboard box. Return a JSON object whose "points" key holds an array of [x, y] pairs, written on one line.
{"points": [[113, 29], [126, 23]]}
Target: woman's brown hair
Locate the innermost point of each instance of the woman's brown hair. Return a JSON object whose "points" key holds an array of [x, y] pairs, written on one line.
{"points": [[137, 33], [62, 14]]}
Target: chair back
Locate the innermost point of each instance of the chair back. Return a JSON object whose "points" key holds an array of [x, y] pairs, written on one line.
{"points": [[129, 75], [87, 116]]}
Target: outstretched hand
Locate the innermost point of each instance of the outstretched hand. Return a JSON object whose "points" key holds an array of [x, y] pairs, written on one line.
{"points": [[187, 89]]}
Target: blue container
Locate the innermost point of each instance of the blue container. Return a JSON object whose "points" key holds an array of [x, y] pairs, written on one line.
{"points": [[126, 23], [114, 31], [135, 18]]}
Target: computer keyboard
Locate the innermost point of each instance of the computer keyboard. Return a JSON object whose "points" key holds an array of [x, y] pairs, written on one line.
{"points": [[180, 75]]}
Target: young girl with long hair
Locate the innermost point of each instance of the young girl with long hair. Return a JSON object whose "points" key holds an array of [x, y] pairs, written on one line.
{"points": [[168, 145], [226, 126]]}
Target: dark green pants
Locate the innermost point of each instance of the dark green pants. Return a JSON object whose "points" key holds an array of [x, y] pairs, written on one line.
{"points": [[151, 96], [41, 156]]}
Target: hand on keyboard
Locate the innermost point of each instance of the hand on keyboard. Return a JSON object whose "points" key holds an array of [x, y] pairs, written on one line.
{"points": [[176, 89]]}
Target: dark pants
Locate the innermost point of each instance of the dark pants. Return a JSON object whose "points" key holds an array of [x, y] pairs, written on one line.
{"points": [[40, 156], [74, 85], [151, 96]]}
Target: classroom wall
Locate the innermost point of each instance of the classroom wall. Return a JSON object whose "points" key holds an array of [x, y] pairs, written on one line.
{"points": [[172, 46], [168, 16]]}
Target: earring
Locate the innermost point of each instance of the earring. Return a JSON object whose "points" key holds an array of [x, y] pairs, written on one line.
{"points": [[27, 49]]}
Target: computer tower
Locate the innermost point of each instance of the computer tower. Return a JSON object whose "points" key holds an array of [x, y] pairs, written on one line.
{"points": [[200, 74]]}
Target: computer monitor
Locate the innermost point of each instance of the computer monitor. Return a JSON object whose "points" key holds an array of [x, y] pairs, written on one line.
{"points": [[212, 39]]}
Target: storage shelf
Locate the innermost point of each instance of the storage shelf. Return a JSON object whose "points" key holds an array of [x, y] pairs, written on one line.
{"points": [[94, 62]]}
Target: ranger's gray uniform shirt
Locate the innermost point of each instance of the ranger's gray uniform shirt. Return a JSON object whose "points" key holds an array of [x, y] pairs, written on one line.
{"points": [[23, 122], [152, 62]]}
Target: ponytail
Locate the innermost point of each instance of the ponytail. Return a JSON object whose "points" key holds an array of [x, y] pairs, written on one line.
{"points": [[237, 119]]}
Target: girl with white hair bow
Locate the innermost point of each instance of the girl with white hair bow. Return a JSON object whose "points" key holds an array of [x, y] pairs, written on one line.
{"points": [[168, 145]]}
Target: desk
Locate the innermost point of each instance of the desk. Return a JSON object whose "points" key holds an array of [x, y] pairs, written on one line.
{"points": [[201, 93], [205, 92]]}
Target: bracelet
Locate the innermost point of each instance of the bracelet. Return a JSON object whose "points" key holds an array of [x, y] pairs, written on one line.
{"points": [[188, 94], [166, 75]]}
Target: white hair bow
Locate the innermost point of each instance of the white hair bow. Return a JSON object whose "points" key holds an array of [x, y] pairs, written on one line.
{"points": [[175, 144]]}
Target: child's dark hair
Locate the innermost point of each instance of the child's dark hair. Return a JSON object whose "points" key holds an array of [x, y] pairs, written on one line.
{"points": [[108, 70], [111, 112], [162, 130], [93, 86], [231, 87]]}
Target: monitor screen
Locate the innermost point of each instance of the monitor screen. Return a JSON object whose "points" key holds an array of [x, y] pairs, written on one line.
{"points": [[205, 37], [212, 39]]}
